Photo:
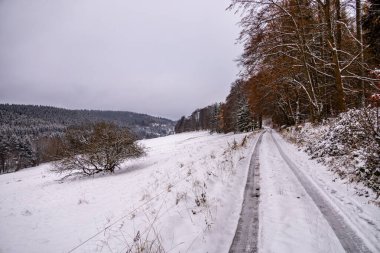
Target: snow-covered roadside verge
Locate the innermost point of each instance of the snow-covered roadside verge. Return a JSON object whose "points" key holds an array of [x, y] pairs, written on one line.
{"points": [[349, 145], [358, 211], [184, 196]]}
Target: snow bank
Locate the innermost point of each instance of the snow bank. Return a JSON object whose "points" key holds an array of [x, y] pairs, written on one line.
{"points": [[348, 144]]}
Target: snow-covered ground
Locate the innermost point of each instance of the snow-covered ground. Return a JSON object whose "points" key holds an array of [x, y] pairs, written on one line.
{"points": [[184, 196], [290, 220]]}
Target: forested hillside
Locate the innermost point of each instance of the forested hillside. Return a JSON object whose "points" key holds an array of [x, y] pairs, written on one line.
{"points": [[28, 133]]}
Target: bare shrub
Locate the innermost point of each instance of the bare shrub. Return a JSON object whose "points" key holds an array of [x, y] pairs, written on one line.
{"points": [[142, 244], [100, 147]]}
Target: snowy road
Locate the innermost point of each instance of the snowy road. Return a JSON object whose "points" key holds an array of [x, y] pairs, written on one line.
{"points": [[294, 215], [245, 239], [350, 241]]}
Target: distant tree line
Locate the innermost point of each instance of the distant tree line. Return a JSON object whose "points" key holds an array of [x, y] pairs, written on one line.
{"points": [[201, 119], [30, 135], [235, 115]]}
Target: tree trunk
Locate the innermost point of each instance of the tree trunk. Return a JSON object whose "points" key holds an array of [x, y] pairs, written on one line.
{"points": [[338, 25], [359, 37], [340, 98]]}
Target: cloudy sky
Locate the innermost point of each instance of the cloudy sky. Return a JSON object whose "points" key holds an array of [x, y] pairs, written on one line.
{"points": [[161, 57]]}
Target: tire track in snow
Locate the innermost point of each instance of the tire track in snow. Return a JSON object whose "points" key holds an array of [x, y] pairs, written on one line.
{"points": [[350, 241], [246, 235]]}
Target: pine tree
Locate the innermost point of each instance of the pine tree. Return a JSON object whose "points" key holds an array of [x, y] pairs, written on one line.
{"points": [[214, 124], [4, 153], [244, 118]]}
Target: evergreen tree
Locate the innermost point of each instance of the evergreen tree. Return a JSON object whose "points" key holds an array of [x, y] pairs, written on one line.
{"points": [[215, 111], [244, 118]]}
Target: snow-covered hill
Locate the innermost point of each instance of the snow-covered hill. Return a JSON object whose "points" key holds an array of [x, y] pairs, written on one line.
{"points": [[184, 196]]}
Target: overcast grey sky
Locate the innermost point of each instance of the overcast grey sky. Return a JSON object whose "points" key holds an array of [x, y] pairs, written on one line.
{"points": [[160, 57]]}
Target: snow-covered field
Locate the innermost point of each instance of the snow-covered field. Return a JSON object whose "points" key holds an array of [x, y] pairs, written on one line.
{"points": [[184, 196]]}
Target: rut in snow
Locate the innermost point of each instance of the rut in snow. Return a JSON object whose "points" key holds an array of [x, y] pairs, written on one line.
{"points": [[350, 241], [246, 235]]}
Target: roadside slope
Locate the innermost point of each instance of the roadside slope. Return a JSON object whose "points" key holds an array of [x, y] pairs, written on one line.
{"points": [[360, 216]]}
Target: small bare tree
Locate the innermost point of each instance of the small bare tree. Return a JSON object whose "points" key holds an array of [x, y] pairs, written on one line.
{"points": [[100, 147]]}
